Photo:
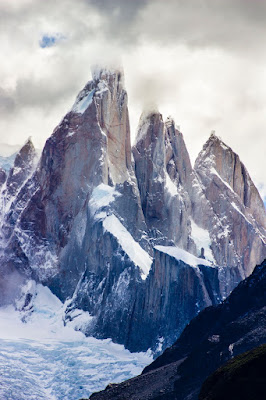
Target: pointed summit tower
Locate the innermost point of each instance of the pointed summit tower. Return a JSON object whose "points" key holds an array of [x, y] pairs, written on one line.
{"points": [[236, 202]]}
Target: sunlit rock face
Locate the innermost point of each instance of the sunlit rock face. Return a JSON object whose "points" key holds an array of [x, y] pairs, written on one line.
{"points": [[111, 103], [236, 202], [136, 237], [164, 176]]}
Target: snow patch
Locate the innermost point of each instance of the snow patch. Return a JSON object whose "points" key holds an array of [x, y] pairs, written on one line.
{"points": [[170, 186], [102, 196], [102, 87], [16, 170], [160, 343], [231, 349], [83, 101], [70, 134], [213, 171], [201, 238], [132, 248], [240, 212], [225, 232], [182, 255]]}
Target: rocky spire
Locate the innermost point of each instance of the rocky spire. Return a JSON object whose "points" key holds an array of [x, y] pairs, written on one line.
{"points": [[236, 201], [90, 146], [163, 173], [85, 166], [228, 166], [106, 92], [23, 166], [178, 163]]}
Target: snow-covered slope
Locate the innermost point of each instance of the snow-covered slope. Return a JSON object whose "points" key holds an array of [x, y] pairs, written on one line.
{"points": [[44, 358], [6, 163]]}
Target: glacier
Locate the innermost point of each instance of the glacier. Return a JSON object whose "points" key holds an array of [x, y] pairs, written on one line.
{"points": [[43, 357]]}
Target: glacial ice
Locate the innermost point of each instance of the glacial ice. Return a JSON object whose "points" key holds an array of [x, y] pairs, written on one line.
{"points": [[44, 359]]}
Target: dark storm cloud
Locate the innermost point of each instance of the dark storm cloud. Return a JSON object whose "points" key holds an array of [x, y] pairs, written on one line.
{"points": [[235, 24], [121, 18], [124, 10]]}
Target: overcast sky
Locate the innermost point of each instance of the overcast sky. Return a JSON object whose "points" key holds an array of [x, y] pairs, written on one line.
{"points": [[201, 61]]}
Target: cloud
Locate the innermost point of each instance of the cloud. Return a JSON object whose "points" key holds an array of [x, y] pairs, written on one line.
{"points": [[201, 61], [7, 103], [225, 23]]}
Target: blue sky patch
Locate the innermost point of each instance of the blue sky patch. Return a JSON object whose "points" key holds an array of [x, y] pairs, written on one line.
{"points": [[50, 40]]}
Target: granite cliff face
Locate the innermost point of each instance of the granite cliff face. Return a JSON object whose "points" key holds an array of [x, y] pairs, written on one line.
{"points": [[236, 201], [15, 192], [135, 237], [215, 336], [164, 174]]}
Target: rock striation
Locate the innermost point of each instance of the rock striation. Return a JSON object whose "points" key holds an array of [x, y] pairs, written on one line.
{"points": [[136, 237]]}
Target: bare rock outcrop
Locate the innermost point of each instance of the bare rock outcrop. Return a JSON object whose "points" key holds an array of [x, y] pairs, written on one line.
{"points": [[164, 175], [2, 177], [237, 204]]}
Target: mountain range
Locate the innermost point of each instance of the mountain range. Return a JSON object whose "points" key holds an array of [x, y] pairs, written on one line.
{"points": [[135, 236]]}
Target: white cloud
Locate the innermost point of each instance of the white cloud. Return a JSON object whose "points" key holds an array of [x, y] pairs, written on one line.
{"points": [[203, 64]]}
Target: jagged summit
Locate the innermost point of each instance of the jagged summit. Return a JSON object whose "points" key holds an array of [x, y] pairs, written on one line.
{"points": [[235, 200], [99, 222], [148, 118], [27, 150], [24, 164], [169, 122], [219, 159], [215, 140], [101, 112], [99, 72]]}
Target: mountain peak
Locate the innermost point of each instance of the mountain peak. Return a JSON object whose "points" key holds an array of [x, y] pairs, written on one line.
{"points": [[217, 142], [148, 117], [170, 122], [27, 151], [226, 181], [106, 73], [213, 134]]}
